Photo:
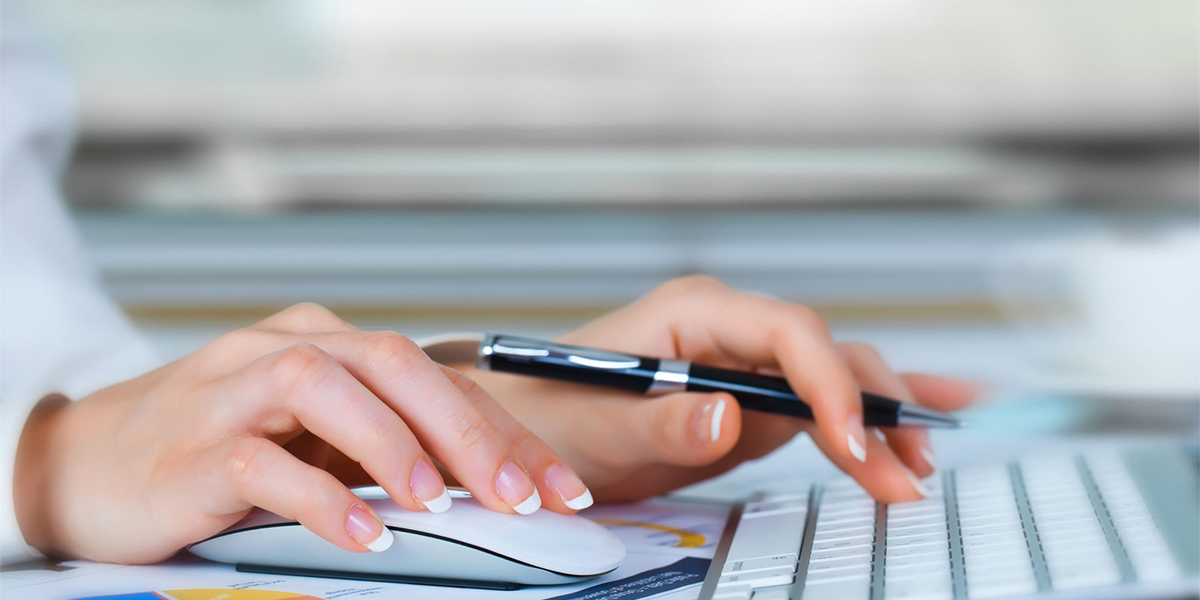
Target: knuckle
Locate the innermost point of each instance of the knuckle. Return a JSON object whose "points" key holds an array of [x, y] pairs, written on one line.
{"points": [[469, 387], [236, 340], [308, 310], [391, 352], [380, 436], [474, 435], [312, 315], [246, 462], [526, 440], [807, 320], [298, 367], [690, 284], [862, 351]]}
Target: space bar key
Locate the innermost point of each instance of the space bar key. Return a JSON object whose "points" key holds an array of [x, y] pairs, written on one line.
{"points": [[768, 536]]}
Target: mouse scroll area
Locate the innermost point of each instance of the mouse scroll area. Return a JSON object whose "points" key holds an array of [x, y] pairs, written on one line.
{"points": [[423, 560], [467, 546]]}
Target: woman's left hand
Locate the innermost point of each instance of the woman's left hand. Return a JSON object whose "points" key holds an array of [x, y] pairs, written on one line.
{"points": [[628, 447]]}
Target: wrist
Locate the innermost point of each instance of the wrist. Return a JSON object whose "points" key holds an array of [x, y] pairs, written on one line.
{"points": [[32, 472]]}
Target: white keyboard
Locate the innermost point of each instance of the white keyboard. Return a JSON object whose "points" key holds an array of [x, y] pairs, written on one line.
{"points": [[1030, 527]]}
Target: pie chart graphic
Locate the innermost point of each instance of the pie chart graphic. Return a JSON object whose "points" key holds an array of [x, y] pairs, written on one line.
{"points": [[206, 594]]}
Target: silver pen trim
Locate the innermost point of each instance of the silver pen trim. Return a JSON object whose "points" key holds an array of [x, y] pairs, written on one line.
{"points": [[486, 348], [912, 415], [513, 346], [671, 377]]}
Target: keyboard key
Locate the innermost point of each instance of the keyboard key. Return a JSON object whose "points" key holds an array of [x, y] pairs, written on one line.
{"points": [[1006, 548], [933, 586], [763, 578], [1071, 517], [1006, 563], [736, 590], [1000, 588], [767, 536], [918, 520], [841, 526], [854, 520], [909, 550], [779, 593], [840, 564], [832, 511], [738, 594], [918, 559], [916, 529], [905, 540], [896, 572], [837, 534], [850, 588], [993, 539], [862, 541], [758, 564], [1080, 576], [974, 532], [838, 553]]}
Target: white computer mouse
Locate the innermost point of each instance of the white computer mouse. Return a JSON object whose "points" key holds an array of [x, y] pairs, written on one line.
{"points": [[468, 545]]}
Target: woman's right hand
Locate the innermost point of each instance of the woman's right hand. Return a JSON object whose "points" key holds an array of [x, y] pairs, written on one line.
{"points": [[283, 415]]}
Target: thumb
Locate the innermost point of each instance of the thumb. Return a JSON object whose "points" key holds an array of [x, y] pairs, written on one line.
{"points": [[686, 429]]}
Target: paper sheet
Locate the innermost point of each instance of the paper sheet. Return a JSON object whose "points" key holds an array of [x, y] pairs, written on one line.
{"points": [[669, 542]]}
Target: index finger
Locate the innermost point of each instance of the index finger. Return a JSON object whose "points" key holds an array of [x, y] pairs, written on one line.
{"points": [[448, 424]]}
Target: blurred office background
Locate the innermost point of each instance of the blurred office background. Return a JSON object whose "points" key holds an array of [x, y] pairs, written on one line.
{"points": [[1004, 190]]}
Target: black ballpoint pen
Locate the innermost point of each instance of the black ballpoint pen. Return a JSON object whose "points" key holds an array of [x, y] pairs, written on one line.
{"points": [[657, 376]]}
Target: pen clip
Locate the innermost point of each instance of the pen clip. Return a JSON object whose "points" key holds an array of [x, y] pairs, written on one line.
{"points": [[525, 349]]}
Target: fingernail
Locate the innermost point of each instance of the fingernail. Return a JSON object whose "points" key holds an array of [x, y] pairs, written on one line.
{"points": [[856, 438], [927, 454], [428, 488], [367, 529], [708, 422], [516, 489], [569, 487], [917, 483]]}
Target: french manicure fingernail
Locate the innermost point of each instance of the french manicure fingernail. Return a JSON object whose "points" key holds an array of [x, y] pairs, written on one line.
{"points": [[428, 488], [569, 487], [927, 454], [856, 438], [367, 529], [917, 483], [707, 425], [516, 489]]}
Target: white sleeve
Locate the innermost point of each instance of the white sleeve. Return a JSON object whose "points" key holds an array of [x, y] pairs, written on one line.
{"points": [[59, 332]]}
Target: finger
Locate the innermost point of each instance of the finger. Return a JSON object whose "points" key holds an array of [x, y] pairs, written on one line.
{"points": [[261, 473], [560, 488], [305, 317], [767, 332], [873, 374], [940, 393], [684, 429], [882, 475], [451, 427], [305, 385], [764, 433]]}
